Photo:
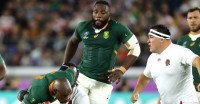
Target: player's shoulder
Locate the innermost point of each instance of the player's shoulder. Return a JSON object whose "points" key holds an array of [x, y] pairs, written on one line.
{"points": [[119, 27], [116, 23], [152, 56], [84, 24], [184, 37], [179, 48]]}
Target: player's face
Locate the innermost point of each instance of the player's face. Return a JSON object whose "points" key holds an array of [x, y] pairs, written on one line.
{"points": [[154, 44], [193, 19], [100, 15], [63, 96]]}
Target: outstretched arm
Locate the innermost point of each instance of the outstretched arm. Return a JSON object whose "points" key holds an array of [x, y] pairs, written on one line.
{"points": [[71, 48], [141, 84]]}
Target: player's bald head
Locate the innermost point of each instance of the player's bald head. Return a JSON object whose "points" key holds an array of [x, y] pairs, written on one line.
{"points": [[62, 84], [62, 90]]}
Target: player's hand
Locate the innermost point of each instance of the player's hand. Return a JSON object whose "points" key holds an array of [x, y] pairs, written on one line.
{"points": [[115, 75], [21, 95], [134, 97]]}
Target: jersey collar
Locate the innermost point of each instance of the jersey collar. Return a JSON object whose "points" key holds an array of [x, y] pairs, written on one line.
{"points": [[104, 27], [193, 37], [51, 88]]}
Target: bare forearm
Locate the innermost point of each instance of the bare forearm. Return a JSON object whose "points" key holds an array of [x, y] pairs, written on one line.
{"points": [[70, 50], [129, 61], [141, 83]]}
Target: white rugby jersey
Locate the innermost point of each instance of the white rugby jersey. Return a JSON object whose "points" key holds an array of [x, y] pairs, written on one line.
{"points": [[172, 72]]}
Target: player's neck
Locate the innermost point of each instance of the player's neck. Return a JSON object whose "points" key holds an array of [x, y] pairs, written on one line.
{"points": [[165, 45], [195, 33], [104, 27]]}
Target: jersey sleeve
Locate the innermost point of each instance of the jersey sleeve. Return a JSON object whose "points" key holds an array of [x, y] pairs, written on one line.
{"points": [[188, 57], [124, 33], [180, 41], [147, 69], [70, 75]]}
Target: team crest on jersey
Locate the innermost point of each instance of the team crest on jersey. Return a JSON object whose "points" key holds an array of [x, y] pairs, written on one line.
{"points": [[106, 34], [96, 35], [86, 35], [192, 44], [167, 62]]}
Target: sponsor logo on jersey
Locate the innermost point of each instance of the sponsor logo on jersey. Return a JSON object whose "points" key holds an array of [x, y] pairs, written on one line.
{"points": [[96, 35], [106, 34], [192, 44], [86, 35]]}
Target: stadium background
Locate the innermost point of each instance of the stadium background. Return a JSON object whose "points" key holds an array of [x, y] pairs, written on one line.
{"points": [[34, 33]]}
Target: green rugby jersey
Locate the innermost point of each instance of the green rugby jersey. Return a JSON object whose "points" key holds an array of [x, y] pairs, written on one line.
{"points": [[39, 89], [194, 46], [100, 49]]}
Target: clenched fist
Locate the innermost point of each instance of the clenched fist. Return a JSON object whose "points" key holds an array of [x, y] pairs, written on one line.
{"points": [[134, 97]]}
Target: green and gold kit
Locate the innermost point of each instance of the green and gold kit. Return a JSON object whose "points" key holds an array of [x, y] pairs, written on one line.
{"points": [[100, 47], [39, 89], [194, 46]]}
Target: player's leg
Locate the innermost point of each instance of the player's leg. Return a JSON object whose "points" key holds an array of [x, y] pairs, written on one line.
{"points": [[198, 95], [79, 96], [84, 83], [100, 93]]}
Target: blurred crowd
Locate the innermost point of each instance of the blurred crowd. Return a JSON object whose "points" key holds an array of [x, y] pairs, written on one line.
{"points": [[35, 32]]}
